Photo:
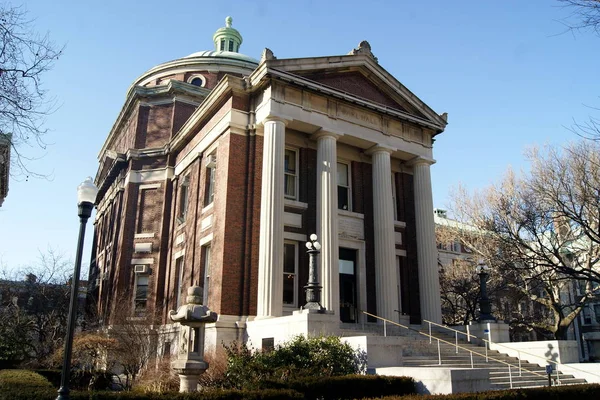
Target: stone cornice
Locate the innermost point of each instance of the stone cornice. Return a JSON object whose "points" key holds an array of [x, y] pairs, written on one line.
{"points": [[137, 154]]}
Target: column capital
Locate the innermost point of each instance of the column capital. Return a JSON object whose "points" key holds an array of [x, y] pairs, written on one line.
{"points": [[272, 117], [323, 133], [413, 162], [379, 148]]}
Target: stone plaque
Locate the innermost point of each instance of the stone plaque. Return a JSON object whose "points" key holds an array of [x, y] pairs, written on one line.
{"points": [[351, 227]]}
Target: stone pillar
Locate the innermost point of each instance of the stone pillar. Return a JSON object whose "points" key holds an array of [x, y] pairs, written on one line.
{"points": [[270, 262], [386, 275], [327, 219], [429, 281]]}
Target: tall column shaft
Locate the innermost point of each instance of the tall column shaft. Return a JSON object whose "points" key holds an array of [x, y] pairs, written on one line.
{"points": [[429, 281], [270, 263], [386, 277], [327, 220]]}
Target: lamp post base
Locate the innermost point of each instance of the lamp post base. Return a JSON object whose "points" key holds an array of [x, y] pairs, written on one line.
{"points": [[63, 393]]}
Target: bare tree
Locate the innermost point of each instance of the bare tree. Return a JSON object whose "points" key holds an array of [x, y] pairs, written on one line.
{"points": [[543, 227], [136, 339], [33, 308], [25, 56], [585, 14]]}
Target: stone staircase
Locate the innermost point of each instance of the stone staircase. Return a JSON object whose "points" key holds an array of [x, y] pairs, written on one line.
{"points": [[415, 350]]}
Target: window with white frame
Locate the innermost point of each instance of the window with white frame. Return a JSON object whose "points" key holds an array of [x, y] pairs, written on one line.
{"points": [[206, 280], [291, 174], [290, 263], [178, 280], [141, 294], [183, 199], [343, 182], [211, 169]]}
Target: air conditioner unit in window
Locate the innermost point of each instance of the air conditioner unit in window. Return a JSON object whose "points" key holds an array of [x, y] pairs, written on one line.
{"points": [[211, 161], [141, 269]]}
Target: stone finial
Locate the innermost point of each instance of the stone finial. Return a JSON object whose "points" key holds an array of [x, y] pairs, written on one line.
{"points": [[228, 22], [363, 48], [267, 54], [444, 116]]}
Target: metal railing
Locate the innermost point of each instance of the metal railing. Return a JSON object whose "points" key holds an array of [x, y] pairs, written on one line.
{"points": [[488, 342], [471, 352]]}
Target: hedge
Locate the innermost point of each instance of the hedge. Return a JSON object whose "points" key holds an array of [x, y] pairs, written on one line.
{"points": [[18, 384], [346, 387], [567, 392]]}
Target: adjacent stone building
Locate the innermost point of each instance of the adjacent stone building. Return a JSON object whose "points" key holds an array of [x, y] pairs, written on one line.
{"points": [[5, 145], [220, 166]]}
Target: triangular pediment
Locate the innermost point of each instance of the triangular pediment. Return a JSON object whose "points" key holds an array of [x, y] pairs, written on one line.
{"points": [[355, 83], [360, 76]]}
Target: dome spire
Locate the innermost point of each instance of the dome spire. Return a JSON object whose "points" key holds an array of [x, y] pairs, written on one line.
{"points": [[227, 38]]}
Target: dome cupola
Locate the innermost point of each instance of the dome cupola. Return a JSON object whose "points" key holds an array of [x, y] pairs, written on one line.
{"points": [[227, 38]]}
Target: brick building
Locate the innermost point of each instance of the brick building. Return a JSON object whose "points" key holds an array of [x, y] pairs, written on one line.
{"points": [[220, 166]]}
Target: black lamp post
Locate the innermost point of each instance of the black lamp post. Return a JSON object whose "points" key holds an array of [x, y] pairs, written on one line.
{"points": [[313, 289], [485, 307], [86, 197]]}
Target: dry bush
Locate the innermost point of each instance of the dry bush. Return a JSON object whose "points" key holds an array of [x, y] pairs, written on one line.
{"points": [[159, 379], [217, 366]]}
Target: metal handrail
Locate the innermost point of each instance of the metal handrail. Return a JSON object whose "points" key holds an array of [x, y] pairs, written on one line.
{"points": [[385, 320], [488, 342], [557, 363], [467, 334]]}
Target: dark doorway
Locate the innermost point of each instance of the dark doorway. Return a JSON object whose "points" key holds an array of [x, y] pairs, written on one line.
{"points": [[348, 301]]}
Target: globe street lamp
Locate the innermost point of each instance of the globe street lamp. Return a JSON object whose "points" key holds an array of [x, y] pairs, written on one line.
{"points": [[485, 308], [86, 197], [313, 289]]}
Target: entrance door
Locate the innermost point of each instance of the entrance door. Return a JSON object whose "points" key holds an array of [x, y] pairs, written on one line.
{"points": [[348, 301]]}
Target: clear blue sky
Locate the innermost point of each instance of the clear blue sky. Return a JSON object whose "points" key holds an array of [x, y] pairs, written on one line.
{"points": [[502, 70]]}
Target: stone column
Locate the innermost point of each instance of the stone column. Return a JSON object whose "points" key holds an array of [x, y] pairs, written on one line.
{"points": [[429, 281], [327, 219], [270, 262], [385, 247]]}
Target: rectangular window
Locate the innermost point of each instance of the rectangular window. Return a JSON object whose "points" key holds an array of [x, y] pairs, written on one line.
{"points": [[222, 45], [231, 45], [343, 181], [211, 169], [141, 294], [290, 262], [206, 284], [178, 281], [291, 173], [183, 199], [147, 209], [455, 246]]}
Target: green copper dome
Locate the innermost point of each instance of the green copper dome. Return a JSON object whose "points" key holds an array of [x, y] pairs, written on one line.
{"points": [[227, 44], [227, 38]]}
